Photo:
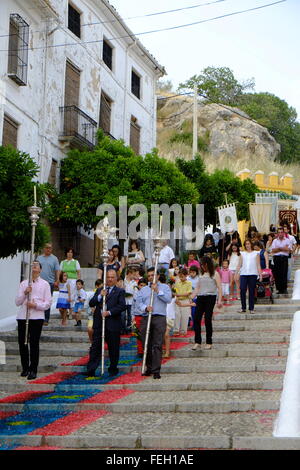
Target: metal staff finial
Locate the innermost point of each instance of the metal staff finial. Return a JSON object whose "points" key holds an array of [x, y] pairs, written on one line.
{"points": [[157, 247], [104, 232], [34, 212]]}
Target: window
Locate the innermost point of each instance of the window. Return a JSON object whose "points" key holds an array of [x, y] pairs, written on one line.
{"points": [[135, 133], [52, 174], [10, 132], [72, 85], [107, 54], [72, 88], [18, 49], [136, 84], [74, 21], [105, 113]]}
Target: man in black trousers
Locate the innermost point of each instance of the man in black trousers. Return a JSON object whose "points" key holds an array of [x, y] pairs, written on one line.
{"points": [[115, 305], [281, 248]]}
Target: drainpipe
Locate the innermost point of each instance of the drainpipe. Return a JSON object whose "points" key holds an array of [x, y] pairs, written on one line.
{"points": [[126, 85]]}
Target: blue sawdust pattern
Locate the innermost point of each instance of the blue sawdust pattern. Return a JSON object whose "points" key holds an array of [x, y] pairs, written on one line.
{"points": [[51, 406]]}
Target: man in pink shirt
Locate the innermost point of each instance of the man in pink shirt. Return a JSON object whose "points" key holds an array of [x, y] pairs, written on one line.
{"points": [[40, 300], [281, 248]]}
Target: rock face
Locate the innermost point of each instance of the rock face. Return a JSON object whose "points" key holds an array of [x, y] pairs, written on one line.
{"points": [[231, 131]]}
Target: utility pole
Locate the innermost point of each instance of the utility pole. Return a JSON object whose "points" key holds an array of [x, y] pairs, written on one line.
{"points": [[195, 122]]}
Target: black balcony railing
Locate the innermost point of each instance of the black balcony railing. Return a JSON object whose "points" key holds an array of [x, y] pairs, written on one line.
{"points": [[108, 135], [77, 127]]}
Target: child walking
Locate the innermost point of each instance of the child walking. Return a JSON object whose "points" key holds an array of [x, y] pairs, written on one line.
{"points": [[171, 313], [233, 257], [79, 301], [130, 286], [137, 318], [226, 279], [194, 278], [183, 289], [64, 297]]}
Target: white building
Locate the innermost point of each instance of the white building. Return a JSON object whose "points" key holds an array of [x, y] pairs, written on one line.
{"points": [[67, 68]]}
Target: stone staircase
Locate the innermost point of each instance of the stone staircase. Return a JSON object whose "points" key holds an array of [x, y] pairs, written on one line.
{"points": [[226, 398]]}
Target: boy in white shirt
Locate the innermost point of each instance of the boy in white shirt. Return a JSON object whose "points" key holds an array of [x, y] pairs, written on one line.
{"points": [[130, 286], [80, 298]]}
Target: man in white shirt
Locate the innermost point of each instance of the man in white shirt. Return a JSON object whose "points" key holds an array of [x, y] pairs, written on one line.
{"points": [[281, 248], [165, 256]]}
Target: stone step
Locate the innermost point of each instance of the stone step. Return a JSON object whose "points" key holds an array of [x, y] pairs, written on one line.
{"points": [[176, 382], [144, 440], [266, 308], [233, 352], [196, 401], [239, 430], [47, 350], [269, 315]]}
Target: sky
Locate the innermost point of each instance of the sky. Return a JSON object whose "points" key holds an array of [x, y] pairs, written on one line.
{"points": [[263, 44]]}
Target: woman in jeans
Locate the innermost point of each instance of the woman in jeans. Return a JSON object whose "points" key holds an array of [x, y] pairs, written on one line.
{"points": [[208, 288], [249, 269]]}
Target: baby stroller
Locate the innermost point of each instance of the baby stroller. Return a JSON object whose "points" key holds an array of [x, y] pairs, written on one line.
{"points": [[264, 289]]}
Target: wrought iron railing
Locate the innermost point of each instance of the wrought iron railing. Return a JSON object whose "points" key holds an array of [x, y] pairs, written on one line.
{"points": [[77, 126]]}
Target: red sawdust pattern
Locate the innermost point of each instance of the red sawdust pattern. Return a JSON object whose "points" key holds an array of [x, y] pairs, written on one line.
{"points": [[108, 396], [24, 396], [70, 423], [7, 414], [130, 378], [79, 362], [178, 345], [55, 378]]}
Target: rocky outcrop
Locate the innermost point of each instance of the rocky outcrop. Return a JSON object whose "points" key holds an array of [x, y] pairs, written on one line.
{"points": [[231, 131]]}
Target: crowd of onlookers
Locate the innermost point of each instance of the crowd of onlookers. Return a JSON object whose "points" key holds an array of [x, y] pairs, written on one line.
{"points": [[220, 272]]}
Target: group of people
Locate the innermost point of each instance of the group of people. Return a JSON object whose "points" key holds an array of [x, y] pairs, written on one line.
{"points": [[182, 294]]}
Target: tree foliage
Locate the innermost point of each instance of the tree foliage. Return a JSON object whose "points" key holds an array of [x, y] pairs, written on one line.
{"points": [[218, 85], [279, 118], [91, 178], [212, 189], [17, 170]]}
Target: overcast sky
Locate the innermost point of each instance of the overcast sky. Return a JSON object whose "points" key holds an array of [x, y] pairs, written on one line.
{"points": [[264, 44]]}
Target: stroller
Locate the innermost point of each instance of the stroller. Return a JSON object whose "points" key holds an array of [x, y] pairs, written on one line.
{"points": [[264, 289]]}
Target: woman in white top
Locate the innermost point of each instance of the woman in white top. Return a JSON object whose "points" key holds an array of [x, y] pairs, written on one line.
{"points": [[135, 255], [249, 269], [208, 288]]}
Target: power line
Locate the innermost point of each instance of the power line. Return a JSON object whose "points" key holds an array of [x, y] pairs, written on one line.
{"points": [[153, 31], [159, 12], [175, 115], [133, 17], [174, 96]]}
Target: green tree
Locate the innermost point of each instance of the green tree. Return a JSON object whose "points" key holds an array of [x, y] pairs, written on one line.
{"points": [[91, 178], [218, 85], [212, 189], [17, 170], [279, 118]]}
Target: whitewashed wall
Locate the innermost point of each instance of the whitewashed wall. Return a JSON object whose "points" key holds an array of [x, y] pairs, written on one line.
{"points": [[35, 107]]}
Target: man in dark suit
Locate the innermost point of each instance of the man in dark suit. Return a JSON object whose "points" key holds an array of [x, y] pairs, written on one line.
{"points": [[115, 305]]}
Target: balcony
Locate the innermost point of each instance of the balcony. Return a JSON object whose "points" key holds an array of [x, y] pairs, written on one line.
{"points": [[77, 128]]}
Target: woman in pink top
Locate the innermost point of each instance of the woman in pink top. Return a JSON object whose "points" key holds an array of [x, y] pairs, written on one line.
{"points": [[40, 300]]}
